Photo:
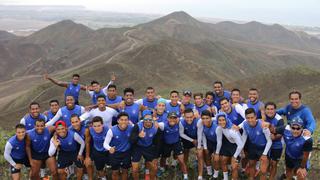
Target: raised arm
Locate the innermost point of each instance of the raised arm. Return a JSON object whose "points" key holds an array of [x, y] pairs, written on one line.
{"points": [[56, 82]]}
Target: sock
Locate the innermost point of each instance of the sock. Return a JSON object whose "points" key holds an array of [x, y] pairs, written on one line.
{"points": [[161, 168], [199, 177], [216, 173], [147, 171], [258, 166], [185, 176], [209, 170], [225, 176], [174, 163], [103, 178]]}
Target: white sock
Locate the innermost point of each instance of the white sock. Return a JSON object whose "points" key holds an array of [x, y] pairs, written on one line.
{"points": [[209, 170], [199, 177], [147, 171], [161, 168], [103, 178], [174, 163], [225, 176], [258, 165], [216, 173], [42, 172], [185, 176]]}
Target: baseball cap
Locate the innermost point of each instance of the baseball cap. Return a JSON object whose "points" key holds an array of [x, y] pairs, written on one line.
{"points": [[60, 123], [187, 93], [146, 112], [172, 114]]}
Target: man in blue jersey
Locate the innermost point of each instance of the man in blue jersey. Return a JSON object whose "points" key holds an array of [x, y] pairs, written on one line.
{"points": [[255, 103], [145, 138], [174, 105], [54, 108], [298, 149], [209, 98], [160, 114], [199, 103], [15, 152], [276, 121], [219, 92], [235, 113], [260, 142], [112, 97], [29, 120], [67, 143], [73, 88], [186, 100], [37, 146], [150, 101], [66, 111], [297, 110], [133, 109], [94, 137], [237, 99], [117, 142], [209, 140], [172, 142], [190, 130]]}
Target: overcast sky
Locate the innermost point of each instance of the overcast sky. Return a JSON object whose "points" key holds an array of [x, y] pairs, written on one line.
{"points": [[291, 12]]}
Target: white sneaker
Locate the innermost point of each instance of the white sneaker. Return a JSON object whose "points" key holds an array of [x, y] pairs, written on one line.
{"points": [[42, 173]]}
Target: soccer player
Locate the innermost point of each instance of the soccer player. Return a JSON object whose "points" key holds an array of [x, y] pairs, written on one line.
{"points": [[229, 145], [145, 138], [298, 148], [67, 142], [118, 144], [29, 120], [190, 130], [235, 113], [37, 146], [276, 121], [209, 139], [94, 137], [97, 91], [237, 99], [259, 143], [186, 100], [150, 101], [15, 152], [172, 141], [160, 114], [73, 88], [112, 97], [255, 103], [54, 108], [297, 110], [174, 105], [219, 92], [106, 113], [66, 111], [200, 105], [209, 98]]}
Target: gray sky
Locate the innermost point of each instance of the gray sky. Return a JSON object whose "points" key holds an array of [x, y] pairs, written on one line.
{"points": [[291, 12]]}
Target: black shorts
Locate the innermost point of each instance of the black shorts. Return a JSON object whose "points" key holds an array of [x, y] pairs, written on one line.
{"points": [[254, 152], [187, 144], [212, 146], [99, 158], [161, 144], [176, 148], [292, 163], [39, 156], [227, 149], [149, 153], [275, 154], [120, 160], [67, 158], [24, 161]]}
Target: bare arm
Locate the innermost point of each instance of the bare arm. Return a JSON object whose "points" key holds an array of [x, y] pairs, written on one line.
{"points": [[88, 141], [28, 147], [56, 82]]}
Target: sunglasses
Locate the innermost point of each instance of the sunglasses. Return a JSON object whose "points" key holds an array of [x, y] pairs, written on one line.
{"points": [[296, 128], [147, 119]]}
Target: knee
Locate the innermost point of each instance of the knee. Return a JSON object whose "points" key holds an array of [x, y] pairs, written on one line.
{"points": [[61, 171]]}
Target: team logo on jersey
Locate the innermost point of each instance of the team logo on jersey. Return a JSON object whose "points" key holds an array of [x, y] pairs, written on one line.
{"points": [[258, 133], [45, 138], [70, 143], [29, 124], [17, 147], [117, 137], [150, 135], [35, 140], [65, 116]]}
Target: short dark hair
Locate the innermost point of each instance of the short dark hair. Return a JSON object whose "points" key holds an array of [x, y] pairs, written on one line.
{"points": [[122, 114], [209, 93], [20, 126], [74, 115], [40, 120], [112, 86], [206, 113], [34, 103], [94, 82], [126, 90], [253, 89], [197, 94], [295, 92], [270, 104], [53, 101], [174, 91], [97, 119], [76, 75], [218, 82], [223, 99], [69, 95], [149, 88], [188, 110], [235, 89], [101, 96], [250, 111]]}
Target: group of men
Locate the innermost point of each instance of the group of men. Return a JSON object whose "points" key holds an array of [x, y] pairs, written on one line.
{"points": [[230, 134]]}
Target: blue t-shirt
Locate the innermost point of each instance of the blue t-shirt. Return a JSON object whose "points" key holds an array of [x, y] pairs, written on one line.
{"points": [[98, 138], [149, 135], [40, 143], [18, 148], [73, 90], [120, 138]]}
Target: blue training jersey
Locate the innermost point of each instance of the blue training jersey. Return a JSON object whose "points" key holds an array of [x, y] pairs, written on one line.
{"points": [[190, 129], [295, 146], [150, 104], [149, 135], [30, 121], [116, 100], [133, 111], [256, 106], [255, 134], [171, 133], [217, 98], [98, 138], [68, 143], [235, 117], [120, 138], [210, 132], [163, 117], [172, 108], [275, 121], [66, 113], [73, 90], [40, 143], [18, 148]]}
